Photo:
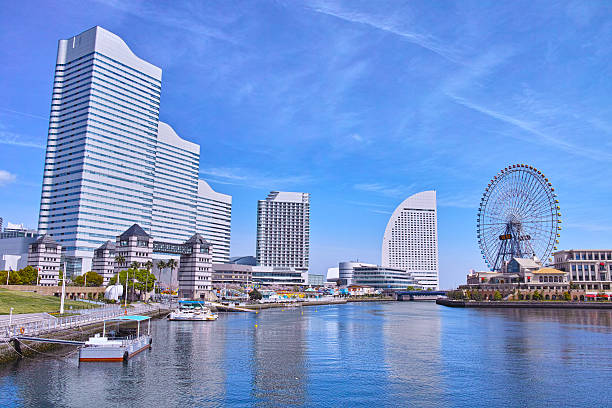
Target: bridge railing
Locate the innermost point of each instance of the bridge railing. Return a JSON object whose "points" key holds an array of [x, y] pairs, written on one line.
{"points": [[41, 326]]}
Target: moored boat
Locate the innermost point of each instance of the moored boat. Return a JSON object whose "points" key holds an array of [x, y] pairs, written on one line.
{"points": [[192, 311], [117, 345]]}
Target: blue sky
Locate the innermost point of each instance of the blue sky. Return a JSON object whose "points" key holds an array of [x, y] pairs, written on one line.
{"points": [[360, 103]]}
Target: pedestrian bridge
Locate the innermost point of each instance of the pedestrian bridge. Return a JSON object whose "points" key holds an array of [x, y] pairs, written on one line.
{"points": [[419, 295]]}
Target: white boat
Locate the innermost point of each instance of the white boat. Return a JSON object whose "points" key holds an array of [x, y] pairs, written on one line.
{"points": [[192, 311], [119, 345]]}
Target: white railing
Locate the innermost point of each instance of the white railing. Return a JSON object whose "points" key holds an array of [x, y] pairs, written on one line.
{"points": [[41, 326]]}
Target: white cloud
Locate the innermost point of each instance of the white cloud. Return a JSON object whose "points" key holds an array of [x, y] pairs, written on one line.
{"points": [[6, 177], [385, 189], [251, 178], [14, 139]]}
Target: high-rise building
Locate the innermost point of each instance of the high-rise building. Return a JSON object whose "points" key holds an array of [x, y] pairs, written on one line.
{"points": [[110, 163], [214, 219], [283, 231], [411, 239]]}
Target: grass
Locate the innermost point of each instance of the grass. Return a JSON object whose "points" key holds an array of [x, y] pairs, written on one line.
{"points": [[28, 302]]}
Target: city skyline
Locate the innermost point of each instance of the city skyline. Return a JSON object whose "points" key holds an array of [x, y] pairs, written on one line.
{"points": [[412, 101]]}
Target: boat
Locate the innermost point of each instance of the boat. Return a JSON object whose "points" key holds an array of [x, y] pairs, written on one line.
{"points": [[192, 311], [120, 344]]}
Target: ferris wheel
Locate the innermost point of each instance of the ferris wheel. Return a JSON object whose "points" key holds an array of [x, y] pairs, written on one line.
{"points": [[519, 216]]}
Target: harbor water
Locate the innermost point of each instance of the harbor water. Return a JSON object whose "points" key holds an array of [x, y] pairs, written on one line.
{"points": [[360, 354]]}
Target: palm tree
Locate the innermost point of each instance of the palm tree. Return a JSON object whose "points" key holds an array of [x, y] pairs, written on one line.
{"points": [[148, 266], [161, 265], [119, 260], [133, 266], [171, 264]]}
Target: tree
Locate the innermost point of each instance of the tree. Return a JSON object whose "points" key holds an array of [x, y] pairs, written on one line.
{"points": [[119, 260], [140, 279], [28, 275], [497, 296], [536, 295], [171, 264], [134, 265], [14, 277], [255, 295], [567, 297], [93, 279], [410, 288], [161, 265]]}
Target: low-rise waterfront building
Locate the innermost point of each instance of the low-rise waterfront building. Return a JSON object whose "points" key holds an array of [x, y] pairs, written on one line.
{"points": [[316, 280], [224, 274], [14, 252], [589, 269], [386, 278], [45, 255], [280, 276]]}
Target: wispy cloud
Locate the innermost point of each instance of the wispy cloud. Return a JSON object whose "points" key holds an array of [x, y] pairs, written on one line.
{"points": [[533, 129], [385, 189], [30, 115], [180, 16], [425, 41], [6, 178], [253, 178], [458, 201], [15, 139]]}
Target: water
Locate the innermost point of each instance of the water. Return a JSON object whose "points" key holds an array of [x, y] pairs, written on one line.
{"points": [[382, 354]]}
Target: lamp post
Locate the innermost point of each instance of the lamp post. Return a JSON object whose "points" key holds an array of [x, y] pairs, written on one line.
{"points": [[8, 273], [11, 317], [63, 290]]}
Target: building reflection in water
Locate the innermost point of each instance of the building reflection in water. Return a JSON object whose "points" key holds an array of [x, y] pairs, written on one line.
{"points": [[412, 352], [278, 370]]}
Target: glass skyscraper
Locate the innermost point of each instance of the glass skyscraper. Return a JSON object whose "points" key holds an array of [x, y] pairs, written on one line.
{"points": [[110, 163]]}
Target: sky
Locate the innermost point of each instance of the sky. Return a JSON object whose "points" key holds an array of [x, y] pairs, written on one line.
{"points": [[360, 103]]}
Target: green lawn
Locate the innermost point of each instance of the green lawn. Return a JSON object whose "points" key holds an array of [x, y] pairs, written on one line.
{"points": [[28, 302]]}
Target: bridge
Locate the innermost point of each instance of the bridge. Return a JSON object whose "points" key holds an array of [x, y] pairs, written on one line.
{"points": [[419, 294]]}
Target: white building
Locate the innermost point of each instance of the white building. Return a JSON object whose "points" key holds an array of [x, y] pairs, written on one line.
{"points": [[346, 271], [44, 254], [177, 164], [214, 219], [279, 275], [283, 230], [110, 163], [411, 239], [14, 252]]}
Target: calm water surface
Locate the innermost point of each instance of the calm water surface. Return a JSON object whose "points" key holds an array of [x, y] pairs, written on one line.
{"points": [[387, 354]]}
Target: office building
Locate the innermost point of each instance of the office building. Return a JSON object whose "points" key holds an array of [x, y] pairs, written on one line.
{"points": [[589, 269], [104, 261], [195, 269], [175, 186], [214, 219], [44, 254], [411, 239], [109, 162], [283, 230]]}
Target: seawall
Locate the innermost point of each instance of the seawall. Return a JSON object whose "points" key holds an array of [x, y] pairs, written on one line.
{"points": [[34, 349], [524, 304]]}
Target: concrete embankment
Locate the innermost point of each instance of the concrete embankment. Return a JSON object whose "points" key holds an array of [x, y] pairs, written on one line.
{"points": [[524, 304], [35, 349], [261, 306]]}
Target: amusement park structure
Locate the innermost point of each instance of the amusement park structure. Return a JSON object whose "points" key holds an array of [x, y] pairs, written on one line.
{"points": [[519, 217]]}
